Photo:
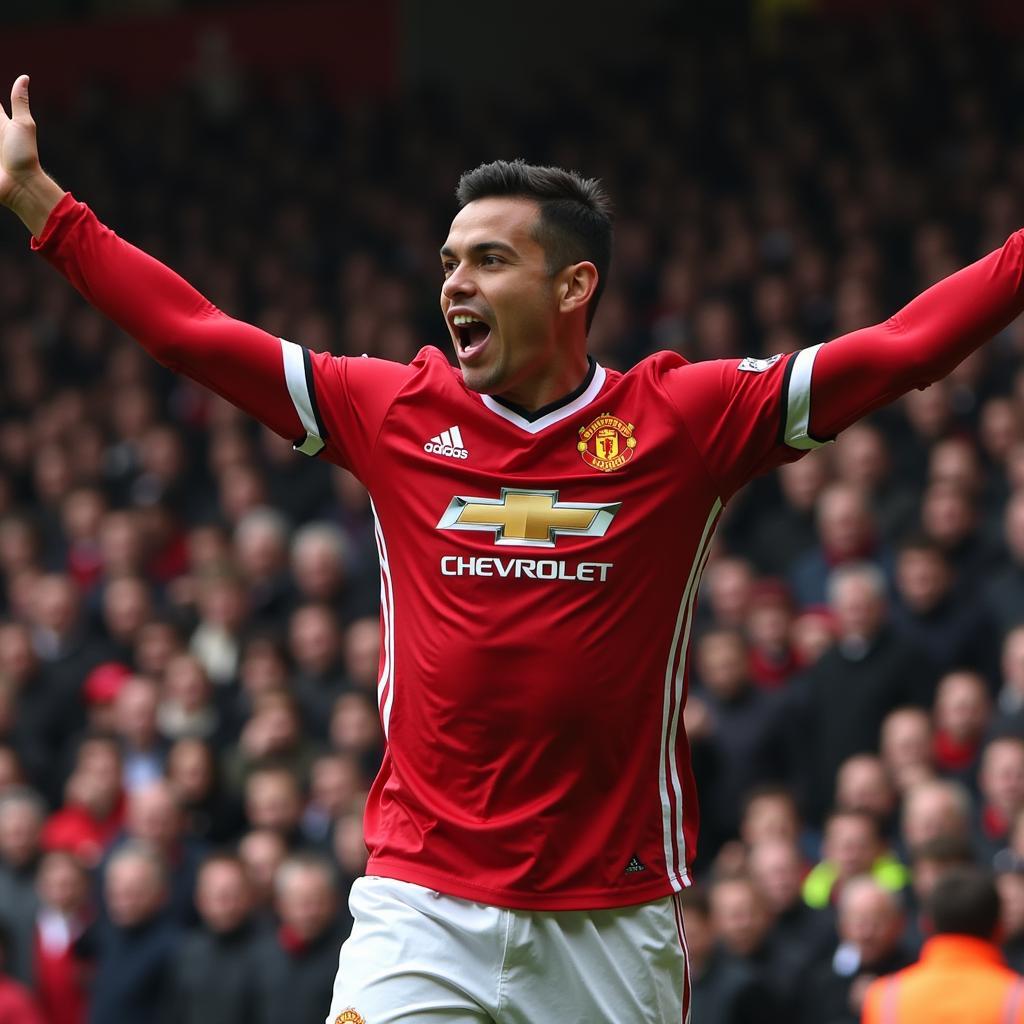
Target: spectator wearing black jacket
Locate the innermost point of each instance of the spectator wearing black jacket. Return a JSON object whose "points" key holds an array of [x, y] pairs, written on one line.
{"points": [[296, 964], [133, 944], [214, 970]]}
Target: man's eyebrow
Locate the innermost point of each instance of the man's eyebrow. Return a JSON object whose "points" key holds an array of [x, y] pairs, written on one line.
{"points": [[480, 247]]}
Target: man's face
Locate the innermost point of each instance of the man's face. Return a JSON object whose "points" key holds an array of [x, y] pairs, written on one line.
{"points": [[496, 271]]}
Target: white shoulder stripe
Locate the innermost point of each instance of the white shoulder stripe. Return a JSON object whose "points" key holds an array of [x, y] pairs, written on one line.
{"points": [[798, 401], [298, 389]]}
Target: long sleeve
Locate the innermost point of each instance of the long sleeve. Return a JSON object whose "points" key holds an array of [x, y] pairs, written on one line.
{"points": [[861, 371], [169, 318]]}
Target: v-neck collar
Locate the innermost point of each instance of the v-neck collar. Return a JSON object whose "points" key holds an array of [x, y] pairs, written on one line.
{"points": [[554, 412]]}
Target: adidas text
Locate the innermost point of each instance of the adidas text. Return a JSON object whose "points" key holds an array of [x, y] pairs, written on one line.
{"points": [[436, 448], [448, 443]]}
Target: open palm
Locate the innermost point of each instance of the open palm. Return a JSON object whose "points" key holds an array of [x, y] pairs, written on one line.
{"points": [[19, 156]]}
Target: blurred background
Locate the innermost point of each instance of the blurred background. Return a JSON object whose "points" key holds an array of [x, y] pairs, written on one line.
{"points": [[188, 610]]}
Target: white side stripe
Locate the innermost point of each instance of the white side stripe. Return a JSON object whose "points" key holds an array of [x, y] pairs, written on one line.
{"points": [[672, 813], [798, 401], [298, 389], [386, 683]]}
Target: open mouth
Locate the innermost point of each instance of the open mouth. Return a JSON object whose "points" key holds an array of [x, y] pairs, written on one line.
{"points": [[471, 334]]}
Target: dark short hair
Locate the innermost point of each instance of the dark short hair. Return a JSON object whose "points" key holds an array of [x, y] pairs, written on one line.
{"points": [[965, 901], [575, 221]]}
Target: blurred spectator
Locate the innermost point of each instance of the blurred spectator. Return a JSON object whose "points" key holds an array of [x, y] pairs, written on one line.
{"points": [[65, 911], [215, 969], [43, 722], [723, 989], [262, 851], [929, 861], [846, 534], [952, 632], [786, 532], [870, 927], [933, 808], [863, 785], [216, 641], [1003, 591], [143, 751], [1009, 716], [319, 561], [741, 727], [740, 917], [261, 549], [132, 947], [773, 659], [355, 729], [949, 517], [849, 690], [274, 801], [960, 975], [17, 1003], [93, 806], [1010, 884], [154, 819], [348, 844], [907, 746], [1001, 785], [296, 964], [862, 459], [22, 813], [962, 712], [336, 783], [273, 733], [778, 869], [314, 639], [725, 592], [362, 653], [187, 708], [209, 814], [852, 847]]}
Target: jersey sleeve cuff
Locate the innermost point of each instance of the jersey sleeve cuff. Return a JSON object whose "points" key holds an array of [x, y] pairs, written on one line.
{"points": [[796, 402], [58, 223]]}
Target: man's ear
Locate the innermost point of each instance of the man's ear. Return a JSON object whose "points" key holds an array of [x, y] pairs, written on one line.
{"points": [[577, 283]]}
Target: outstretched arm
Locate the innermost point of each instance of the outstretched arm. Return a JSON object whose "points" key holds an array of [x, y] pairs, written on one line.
{"points": [[923, 342], [177, 325]]}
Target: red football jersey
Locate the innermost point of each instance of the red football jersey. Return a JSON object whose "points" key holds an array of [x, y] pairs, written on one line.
{"points": [[538, 571], [538, 578]]}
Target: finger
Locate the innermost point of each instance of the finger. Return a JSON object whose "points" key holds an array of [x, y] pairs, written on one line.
{"points": [[19, 100]]}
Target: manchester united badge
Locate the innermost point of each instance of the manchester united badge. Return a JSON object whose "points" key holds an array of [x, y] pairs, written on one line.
{"points": [[349, 1016], [608, 443]]}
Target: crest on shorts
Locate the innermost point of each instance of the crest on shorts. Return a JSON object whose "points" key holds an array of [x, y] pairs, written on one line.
{"points": [[349, 1016], [608, 443]]}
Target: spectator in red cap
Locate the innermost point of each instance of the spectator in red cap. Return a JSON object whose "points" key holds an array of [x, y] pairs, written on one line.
{"points": [[100, 690]]}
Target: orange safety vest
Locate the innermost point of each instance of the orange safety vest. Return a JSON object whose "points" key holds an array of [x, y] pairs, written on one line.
{"points": [[958, 980]]}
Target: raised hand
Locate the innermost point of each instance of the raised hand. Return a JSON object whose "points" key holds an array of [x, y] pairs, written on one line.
{"points": [[24, 186]]}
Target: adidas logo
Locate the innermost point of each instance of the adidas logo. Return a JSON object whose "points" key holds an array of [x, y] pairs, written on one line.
{"points": [[449, 443], [634, 865]]}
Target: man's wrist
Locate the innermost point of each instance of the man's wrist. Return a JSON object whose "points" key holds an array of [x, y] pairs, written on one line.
{"points": [[35, 199]]}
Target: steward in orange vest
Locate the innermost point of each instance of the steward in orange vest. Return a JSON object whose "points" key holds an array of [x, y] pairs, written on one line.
{"points": [[961, 977]]}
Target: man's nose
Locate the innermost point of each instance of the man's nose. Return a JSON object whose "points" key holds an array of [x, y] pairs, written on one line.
{"points": [[458, 282]]}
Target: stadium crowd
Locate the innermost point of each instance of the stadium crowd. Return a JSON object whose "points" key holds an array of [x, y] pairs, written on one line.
{"points": [[189, 642]]}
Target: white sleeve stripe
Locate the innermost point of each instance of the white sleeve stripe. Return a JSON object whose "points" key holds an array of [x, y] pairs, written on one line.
{"points": [[298, 389], [798, 401]]}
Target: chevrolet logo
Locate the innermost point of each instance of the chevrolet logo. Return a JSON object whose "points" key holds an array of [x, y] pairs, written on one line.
{"points": [[531, 518]]}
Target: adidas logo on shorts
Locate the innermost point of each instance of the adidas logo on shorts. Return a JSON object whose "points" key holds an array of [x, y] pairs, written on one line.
{"points": [[447, 443]]}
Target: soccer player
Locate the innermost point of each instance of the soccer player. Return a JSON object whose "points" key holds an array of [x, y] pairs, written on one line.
{"points": [[542, 525]]}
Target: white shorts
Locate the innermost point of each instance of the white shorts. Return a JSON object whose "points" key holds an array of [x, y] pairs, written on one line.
{"points": [[417, 955]]}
